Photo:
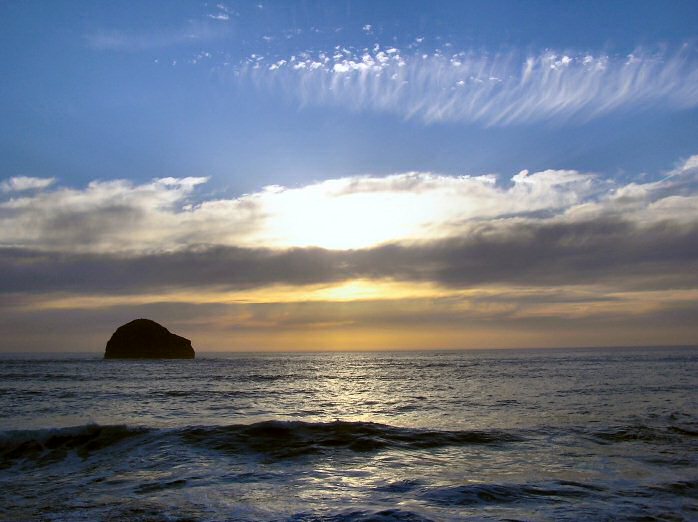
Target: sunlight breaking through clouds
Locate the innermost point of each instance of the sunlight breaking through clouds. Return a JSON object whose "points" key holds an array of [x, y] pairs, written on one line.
{"points": [[353, 212], [491, 89], [401, 254], [118, 217]]}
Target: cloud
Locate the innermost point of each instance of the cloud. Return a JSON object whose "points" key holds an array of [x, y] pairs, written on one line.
{"points": [[194, 32], [510, 318], [353, 212], [491, 89], [544, 258], [220, 16], [544, 229], [118, 217], [22, 183], [108, 216], [222, 13], [619, 254]]}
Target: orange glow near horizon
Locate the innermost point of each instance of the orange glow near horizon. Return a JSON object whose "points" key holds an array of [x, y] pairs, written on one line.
{"points": [[382, 314]]}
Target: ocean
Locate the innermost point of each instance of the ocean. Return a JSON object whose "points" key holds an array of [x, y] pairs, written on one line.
{"points": [[584, 434]]}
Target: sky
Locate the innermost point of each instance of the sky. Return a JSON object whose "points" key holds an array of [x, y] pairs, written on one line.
{"points": [[349, 175]]}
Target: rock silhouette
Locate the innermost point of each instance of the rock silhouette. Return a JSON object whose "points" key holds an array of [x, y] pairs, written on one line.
{"points": [[146, 339]]}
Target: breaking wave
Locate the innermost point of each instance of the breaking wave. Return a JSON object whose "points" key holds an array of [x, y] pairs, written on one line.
{"points": [[50, 445], [275, 439]]}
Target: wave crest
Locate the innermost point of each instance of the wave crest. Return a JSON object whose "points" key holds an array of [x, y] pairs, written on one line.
{"points": [[274, 439], [294, 438], [50, 445]]}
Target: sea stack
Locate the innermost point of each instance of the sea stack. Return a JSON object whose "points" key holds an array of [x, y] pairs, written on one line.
{"points": [[146, 339]]}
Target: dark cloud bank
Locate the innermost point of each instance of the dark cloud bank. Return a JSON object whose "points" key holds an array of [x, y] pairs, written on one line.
{"points": [[610, 251]]}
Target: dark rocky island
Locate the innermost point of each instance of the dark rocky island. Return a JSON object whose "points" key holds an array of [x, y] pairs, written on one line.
{"points": [[146, 339]]}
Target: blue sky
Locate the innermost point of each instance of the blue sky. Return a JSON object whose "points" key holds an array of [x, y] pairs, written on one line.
{"points": [[309, 175], [90, 91]]}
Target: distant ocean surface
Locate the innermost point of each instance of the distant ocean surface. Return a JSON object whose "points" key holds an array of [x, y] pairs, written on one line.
{"points": [[476, 435]]}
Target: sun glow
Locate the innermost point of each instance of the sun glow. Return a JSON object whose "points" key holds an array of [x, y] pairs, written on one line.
{"points": [[355, 290], [332, 215], [363, 211]]}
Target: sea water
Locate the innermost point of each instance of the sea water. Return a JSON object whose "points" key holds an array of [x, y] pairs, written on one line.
{"points": [[595, 434]]}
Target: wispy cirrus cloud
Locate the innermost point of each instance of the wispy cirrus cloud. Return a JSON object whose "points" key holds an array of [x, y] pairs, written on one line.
{"points": [[193, 32], [491, 89]]}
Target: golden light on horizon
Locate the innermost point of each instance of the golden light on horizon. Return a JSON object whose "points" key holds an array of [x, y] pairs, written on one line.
{"points": [[368, 314], [345, 291]]}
